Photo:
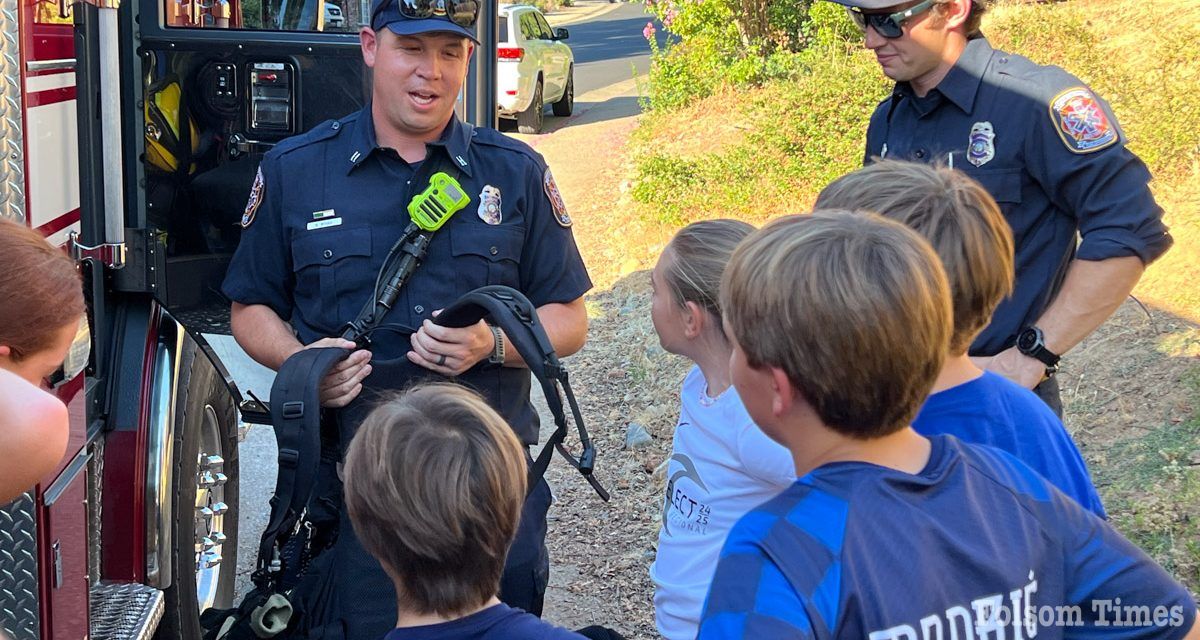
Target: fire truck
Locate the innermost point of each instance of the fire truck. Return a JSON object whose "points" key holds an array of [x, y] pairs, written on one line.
{"points": [[131, 134]]}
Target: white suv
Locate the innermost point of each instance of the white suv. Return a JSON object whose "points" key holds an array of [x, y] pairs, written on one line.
{"points": [[534, 68], [334, 18]]}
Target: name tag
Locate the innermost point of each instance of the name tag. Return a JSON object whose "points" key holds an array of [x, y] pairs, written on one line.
{"points": [[321, 224]]}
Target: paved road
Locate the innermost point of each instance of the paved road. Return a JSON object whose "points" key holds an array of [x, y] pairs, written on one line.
{"points": [[610, 48]]}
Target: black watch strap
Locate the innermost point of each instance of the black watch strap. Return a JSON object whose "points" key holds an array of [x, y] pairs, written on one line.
{"points": [[1032, 342]]}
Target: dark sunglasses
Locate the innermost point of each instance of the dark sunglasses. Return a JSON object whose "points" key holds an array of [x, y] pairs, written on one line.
{"points": [[889, 25], [463, 13]]}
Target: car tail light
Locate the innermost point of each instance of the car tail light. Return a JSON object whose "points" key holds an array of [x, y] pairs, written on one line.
{"points": [[510, 53]]}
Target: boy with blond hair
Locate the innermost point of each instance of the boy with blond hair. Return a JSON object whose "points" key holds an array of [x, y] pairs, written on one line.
{"points": [[973, 240], [434, 482], [841, 323]]}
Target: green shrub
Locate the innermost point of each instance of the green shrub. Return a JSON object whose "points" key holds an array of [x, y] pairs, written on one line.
{"points": [[804, 131], [724, 42]]}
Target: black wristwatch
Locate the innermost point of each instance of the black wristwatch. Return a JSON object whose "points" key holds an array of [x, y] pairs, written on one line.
{"points": [[1032, 342]]}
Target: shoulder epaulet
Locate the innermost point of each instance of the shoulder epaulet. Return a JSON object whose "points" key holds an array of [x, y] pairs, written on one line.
{"points": [[324, 131], [1083, 122], [493, 138]]}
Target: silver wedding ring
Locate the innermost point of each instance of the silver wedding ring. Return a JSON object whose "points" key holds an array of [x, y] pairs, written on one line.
{"points": [[442, 360]]}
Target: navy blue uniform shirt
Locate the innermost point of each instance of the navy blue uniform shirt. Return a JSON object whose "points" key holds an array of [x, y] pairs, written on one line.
{"points": [[1050, 153], [975, 545], [329, 204]]}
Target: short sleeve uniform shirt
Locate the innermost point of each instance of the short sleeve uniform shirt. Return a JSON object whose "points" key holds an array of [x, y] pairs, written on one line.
{"points": [[329, 204]]}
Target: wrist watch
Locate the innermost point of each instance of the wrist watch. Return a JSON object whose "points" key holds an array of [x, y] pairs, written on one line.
{"points": [[1032, 342], [497, 356]]}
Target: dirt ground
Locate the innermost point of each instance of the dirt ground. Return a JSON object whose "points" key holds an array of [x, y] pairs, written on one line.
{"points": [[1128, 392]]}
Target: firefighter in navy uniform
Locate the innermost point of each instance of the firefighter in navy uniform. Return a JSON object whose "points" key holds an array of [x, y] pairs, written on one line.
{"points": [[325, 209], [1046, 148]]}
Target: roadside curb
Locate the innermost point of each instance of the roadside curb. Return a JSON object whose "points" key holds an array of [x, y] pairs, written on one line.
{"points": [[564, 19]]}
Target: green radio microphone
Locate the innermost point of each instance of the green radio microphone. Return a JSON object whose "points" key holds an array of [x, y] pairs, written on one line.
{"points": [[428, 212]]}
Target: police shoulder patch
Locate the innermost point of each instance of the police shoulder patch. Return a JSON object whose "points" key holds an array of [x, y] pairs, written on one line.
{"points": [[1081, 121], [256, 198], [556, 199]]}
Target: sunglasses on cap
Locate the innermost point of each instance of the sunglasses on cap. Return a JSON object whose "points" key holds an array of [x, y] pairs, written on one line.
{"points": [[889, 25], [463, 13]]}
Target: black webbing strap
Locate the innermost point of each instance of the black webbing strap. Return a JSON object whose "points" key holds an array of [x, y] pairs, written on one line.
{"points": [[296, 417], [510, 310]]}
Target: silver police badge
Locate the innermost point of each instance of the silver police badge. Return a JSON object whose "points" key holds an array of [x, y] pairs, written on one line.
{"points": [[489, 205], [982, 144]]}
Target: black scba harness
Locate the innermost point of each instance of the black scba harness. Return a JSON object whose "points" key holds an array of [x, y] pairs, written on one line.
{"points": [[291, 542]]}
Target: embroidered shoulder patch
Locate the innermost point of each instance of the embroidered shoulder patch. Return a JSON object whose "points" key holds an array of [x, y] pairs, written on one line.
{"points": [[556, 199], [256, 197], [1081, 122]]}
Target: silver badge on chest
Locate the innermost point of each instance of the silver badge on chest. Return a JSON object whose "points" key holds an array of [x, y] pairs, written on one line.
{"points": [[489, 205], [981, 146]]}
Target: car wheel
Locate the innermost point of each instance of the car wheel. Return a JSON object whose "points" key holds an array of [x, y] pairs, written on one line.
{"points": [[204, 564], [530, 120], [566, 104]]}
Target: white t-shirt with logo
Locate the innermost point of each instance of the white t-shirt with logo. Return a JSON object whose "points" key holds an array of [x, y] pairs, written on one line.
{"points": [[722, 466]]}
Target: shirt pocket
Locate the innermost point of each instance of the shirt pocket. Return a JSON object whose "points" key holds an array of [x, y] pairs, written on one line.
{"points": [[333, 273], [485, 255], [1004, 185]]}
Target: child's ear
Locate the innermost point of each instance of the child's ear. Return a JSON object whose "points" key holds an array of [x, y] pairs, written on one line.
{"points": [[5, 351], [694, 317], [784, 394]]}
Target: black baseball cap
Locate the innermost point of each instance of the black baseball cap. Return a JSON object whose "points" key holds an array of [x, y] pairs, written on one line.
{"points": [[414, 17], [868, 5]]}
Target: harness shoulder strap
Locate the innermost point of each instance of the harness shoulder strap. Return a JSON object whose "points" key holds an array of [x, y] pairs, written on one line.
{"points": [[517, 317], [296, 416]]}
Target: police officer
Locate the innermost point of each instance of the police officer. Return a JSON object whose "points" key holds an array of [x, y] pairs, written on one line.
{"points": [[1046, 148], [326, 207]]}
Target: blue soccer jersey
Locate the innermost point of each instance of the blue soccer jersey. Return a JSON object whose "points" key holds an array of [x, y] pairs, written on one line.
{"points": [[998, 412], [976, 545]]}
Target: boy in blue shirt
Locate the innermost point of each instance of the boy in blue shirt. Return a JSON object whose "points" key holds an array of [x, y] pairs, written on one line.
{"points": [[973, 240], [434, 483], [841, 323]]}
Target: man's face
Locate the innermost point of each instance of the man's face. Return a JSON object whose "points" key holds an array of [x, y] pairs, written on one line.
{"points": [[917, 52], [416, 78]]}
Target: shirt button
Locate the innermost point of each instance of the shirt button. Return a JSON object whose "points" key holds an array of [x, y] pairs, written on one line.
{"points": [[920, 153], [419, 309], [328, 254], [494, 250]]}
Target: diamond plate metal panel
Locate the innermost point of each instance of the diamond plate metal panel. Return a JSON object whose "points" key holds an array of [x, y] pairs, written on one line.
{"points": [[125, 611], [18, 569], [95, 513], [12, 167]]}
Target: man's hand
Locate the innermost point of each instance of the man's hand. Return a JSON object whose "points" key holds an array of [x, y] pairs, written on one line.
{"points": [[1014, 365], [343, 383], [451, 351]]}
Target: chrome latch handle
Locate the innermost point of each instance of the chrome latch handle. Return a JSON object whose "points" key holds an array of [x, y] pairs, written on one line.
{"points": [[108, 255]]}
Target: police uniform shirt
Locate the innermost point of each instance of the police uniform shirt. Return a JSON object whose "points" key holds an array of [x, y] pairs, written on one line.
{"points": [[1051, 154], [328, 205]]}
